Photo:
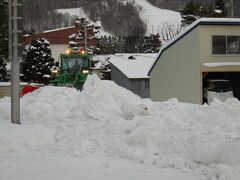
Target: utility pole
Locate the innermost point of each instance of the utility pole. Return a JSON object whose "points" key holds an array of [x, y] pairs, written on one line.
{"points": [[232, 9], [82, 24], [15, 55], [85, 34]]}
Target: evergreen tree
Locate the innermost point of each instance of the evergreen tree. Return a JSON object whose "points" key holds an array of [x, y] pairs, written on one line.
{"points": [[130, 44], [3, 28], [134, 42], [220, 8], [38, 62], [76, 41], [194, 11], [110, 45], [3, 71], [3, 39], [101, 45], [106, 45], [151, 44], [190, 13], [119, 45]]}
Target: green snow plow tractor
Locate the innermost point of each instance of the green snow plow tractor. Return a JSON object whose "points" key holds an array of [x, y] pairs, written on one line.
{"points": [[73, 70]]}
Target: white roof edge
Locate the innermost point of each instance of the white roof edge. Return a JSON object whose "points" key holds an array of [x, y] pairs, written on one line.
{"points": [[147, 55], [187, 29], [221, 64], [52, 30], [58, 29]]}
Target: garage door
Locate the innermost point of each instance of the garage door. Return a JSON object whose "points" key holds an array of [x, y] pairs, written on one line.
{"points": [[224, 70]]}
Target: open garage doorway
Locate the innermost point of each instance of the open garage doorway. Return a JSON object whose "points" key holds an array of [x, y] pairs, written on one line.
{"points": [[220, 82]]}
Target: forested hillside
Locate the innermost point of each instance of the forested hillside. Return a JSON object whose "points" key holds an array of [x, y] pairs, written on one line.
{"points": [[41, 15], [119, 18], [180, 4], [175, 4]]}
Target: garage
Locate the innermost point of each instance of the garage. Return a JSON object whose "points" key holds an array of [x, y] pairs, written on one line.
{"points": [[220, 80], [208, 50]]}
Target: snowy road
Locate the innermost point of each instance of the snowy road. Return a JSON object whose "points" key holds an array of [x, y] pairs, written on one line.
{"points": [[60, 167]]}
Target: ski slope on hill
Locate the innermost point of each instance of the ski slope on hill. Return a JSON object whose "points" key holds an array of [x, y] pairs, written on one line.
{"points": [[157, 18]]}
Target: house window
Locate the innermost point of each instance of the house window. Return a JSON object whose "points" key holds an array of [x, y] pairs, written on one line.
{"points": [[226, 44], [233, 43], [219, 44]]}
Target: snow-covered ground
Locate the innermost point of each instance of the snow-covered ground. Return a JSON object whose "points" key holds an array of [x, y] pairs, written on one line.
{"points": [[106, 132], [156, 18]]}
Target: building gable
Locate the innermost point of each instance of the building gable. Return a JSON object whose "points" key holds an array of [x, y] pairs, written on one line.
{"points": [[202, 21]]}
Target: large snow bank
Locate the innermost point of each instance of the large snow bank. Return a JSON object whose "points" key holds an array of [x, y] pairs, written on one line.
{"points": [[62, 167], [15, 139], [106, 119]]}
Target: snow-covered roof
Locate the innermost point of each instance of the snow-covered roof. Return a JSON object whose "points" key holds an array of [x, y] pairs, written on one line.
{"points": [[53, 30], [133, 68], [221, 64], [201, 21], [59, 29]]}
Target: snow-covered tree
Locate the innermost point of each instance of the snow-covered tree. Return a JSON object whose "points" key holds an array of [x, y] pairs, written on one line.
{"points": [[190, 13], [109, 45], [38, 62], [220, 8], [3, 39], [102, 45], [134, 42], [194, 11], [76, 41], [3, 28], [151, 44], [169, 30], [3, 71]]}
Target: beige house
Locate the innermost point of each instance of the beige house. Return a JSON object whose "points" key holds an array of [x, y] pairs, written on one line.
{"points": [[207, 49]]}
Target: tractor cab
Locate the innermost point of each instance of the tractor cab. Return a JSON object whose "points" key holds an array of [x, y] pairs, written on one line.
{"points": [[74, 63], [73, 69]]}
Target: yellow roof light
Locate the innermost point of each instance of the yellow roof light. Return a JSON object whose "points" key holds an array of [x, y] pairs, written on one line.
{"points": [[82, 52], [68, 51]]}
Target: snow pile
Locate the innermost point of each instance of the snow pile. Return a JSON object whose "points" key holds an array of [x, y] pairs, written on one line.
{"points": [[14, 139], [106, 119]]}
